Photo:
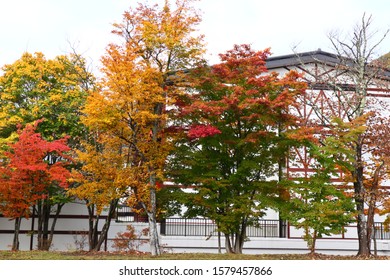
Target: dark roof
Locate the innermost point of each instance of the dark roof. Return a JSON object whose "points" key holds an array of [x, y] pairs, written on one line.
{"points": [[302, 58], [317, 56]]}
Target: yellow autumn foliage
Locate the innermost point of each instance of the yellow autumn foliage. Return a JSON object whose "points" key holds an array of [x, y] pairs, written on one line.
{"points": [[127, 115]]}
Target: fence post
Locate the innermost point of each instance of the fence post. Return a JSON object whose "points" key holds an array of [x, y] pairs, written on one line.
{"points": [[382, 232], [288, 230], [282, 228], [163, 227]]}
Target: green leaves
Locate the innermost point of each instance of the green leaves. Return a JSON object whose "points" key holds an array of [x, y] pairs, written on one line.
{"points": [[321, 202], [232, 144], [34, 87]]}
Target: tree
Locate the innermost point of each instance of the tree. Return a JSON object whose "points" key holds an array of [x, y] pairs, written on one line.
{"points": [[101, 181], [357, 57], [236, 127], [320, 203], [347, 88], [26, 177], [376, 147], [52, 90], [141, 81]]}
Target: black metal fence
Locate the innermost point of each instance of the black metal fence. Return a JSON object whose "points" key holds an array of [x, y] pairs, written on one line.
{"points": [[380, 232], [125, 214], [206, 227]]}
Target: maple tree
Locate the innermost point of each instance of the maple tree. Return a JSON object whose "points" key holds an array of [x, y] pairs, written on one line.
{"points": [[236, 129], [141, 78], [320, 202], [26, 177]]}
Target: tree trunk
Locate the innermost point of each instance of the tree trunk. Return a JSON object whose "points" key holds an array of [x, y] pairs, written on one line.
{"points": [[364, 248], [219, 242], [32, 227], [151, 209], [374, 240], [96, 238], [372, 200], [240, 237], [40, 213], [54, 222], [238, 244], [370, 218], [104, 232], [234, 243], [93, 224], [313, 243], [15, 242], [154, 242], [45, 236], [228, 244]]}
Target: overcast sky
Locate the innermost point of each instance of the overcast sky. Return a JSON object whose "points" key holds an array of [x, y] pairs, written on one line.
{"points": [[49, 26]]}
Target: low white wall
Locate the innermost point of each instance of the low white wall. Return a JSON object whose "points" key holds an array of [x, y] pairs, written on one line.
{"points": [[180, 244], [74, 222], [195, 244]]}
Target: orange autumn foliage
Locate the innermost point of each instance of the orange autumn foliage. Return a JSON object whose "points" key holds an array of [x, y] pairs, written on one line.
{"points": [[130, 112]]}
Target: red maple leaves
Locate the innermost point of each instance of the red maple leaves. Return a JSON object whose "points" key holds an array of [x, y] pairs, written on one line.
{"points": [[31, 166], [201, 131]]}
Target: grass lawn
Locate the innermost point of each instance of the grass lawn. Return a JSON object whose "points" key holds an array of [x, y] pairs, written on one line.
{"points": [[82, 255]]}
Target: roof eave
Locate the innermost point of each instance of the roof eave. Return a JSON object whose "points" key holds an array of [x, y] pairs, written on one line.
{"points": [[297, 59]]}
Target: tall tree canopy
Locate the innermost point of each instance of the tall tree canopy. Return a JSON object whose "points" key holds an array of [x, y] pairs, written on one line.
{"points": [[236, 125], [54, 90], [359, 68], [141, 78]]}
